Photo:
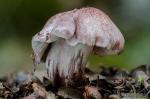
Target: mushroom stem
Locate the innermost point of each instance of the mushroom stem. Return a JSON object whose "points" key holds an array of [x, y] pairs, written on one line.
{"points": [[64, 60]]}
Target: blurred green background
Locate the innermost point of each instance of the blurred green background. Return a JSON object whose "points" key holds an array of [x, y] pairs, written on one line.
{"points": [[21, 19]]}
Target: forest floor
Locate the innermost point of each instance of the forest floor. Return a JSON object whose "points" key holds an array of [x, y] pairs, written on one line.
{"points": [[107, 83]]}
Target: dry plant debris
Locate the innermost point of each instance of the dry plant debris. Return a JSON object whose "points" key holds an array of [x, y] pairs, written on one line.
{"points": [[110, 83]]}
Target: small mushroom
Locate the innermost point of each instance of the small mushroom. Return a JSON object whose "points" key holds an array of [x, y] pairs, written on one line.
{"points": [[68, 38]]}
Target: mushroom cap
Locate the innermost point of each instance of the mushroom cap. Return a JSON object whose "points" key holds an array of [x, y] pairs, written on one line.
{"points": [[95, 28], [61, 25], [88, 26]]}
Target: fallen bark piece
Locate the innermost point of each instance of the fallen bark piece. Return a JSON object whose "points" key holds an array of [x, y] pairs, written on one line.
{"points": [[39, 90]]}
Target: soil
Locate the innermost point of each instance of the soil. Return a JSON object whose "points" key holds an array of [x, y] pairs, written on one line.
{"points": [[108, 83]]}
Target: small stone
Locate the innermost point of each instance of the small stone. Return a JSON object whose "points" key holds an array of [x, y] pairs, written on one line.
{"points": [[91, 92], [114, 97], [70, 93]]}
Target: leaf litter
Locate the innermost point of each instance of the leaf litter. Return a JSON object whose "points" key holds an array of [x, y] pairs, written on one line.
{"points": [[108, 83]]}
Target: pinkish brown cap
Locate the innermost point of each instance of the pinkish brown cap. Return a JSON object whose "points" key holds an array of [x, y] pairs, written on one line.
{"points": [[95, 28], [89, 26], [61, 25]]}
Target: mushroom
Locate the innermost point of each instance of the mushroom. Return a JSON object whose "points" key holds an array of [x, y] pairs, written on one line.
{"points": [[68, 38]]}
